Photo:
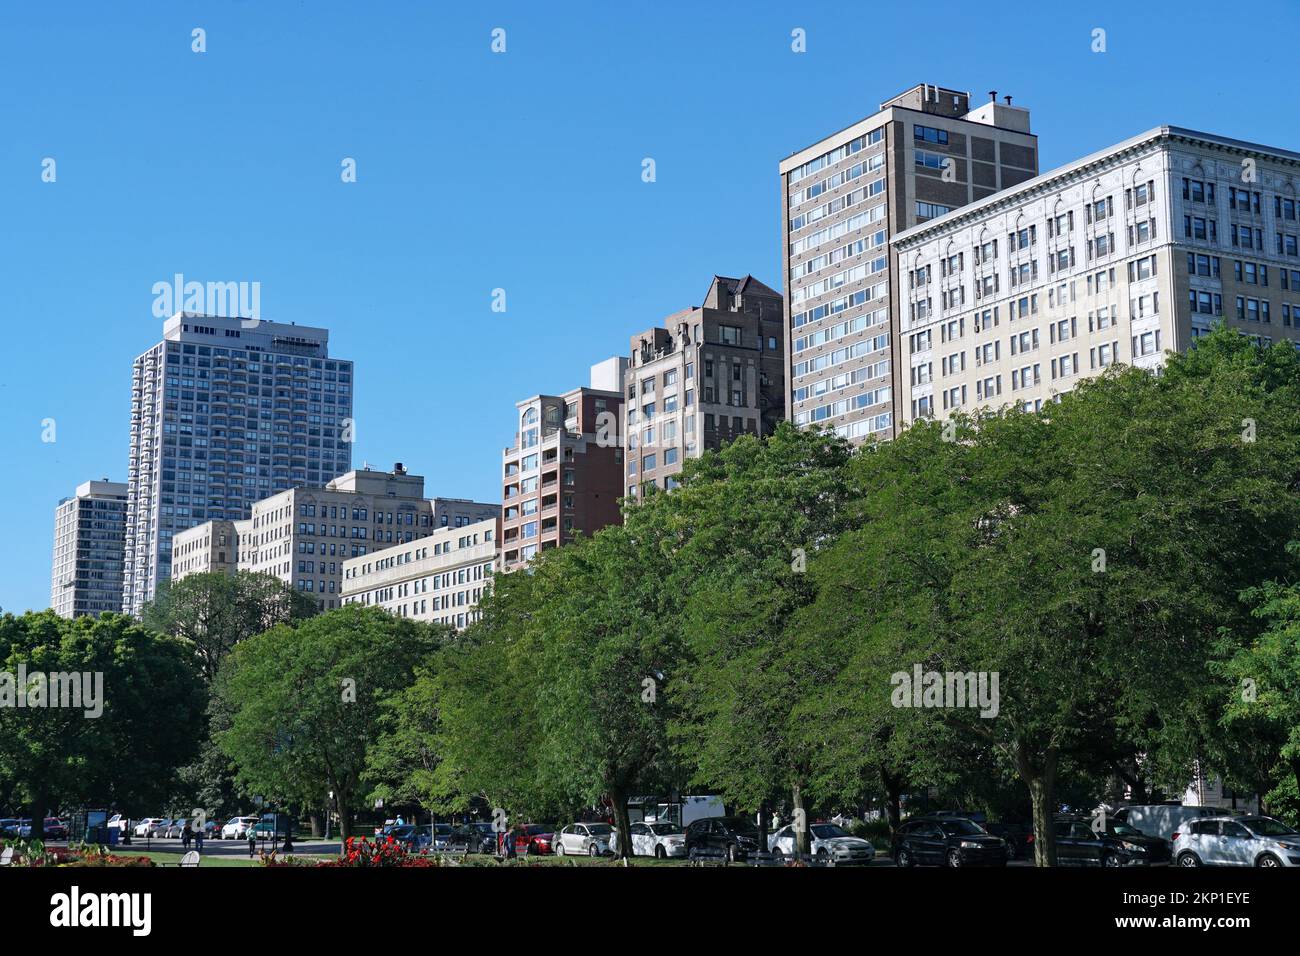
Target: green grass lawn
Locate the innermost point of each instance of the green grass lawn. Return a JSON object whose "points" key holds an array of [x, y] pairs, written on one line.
{"points": [[164, 858]]}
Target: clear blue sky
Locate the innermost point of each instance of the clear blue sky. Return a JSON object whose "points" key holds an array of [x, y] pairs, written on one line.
{"points": [[478, 171]]}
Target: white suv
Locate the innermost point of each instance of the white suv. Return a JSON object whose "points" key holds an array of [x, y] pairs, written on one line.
{"points": [[1236, 841], [237, 828]]}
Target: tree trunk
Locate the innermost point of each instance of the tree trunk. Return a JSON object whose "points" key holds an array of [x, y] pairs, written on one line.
{"points": [[345, 815], [40, 803], [802, 845], [316, 826], [764, 822], [894, 804], [621, 822], [1040, 777]]}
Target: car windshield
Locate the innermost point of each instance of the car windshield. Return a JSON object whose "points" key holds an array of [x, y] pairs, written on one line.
{"points": [[661, 829], [1121, 829], [960, 828], [600, 829], [1267, 826], [828, 831]]}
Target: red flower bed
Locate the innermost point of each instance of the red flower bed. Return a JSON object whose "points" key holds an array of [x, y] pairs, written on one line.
{"points": [[366, 853]]}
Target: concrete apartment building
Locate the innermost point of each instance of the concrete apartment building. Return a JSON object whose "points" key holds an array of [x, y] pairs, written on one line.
{"points": [[304, 535], [226, 412], [1120, 256], [89, 550], [439, 578], [709, 374], [209, 547], [843, 199], [564, 473]]}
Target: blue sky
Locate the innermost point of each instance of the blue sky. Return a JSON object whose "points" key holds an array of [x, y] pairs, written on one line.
{"points": [[476, 171]]}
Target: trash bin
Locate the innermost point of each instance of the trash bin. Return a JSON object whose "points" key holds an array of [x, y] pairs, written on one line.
{"points": [[111, 835]]}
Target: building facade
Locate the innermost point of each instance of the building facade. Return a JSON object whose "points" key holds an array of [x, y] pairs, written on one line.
{"points": [[303, 536], [843, 199], [1119, 257], [89, 550], [706, 376], [440, 578], [564, 473], [226, 412], [211, 547]]}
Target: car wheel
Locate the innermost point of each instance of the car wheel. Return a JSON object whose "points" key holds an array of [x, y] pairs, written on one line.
{"points": [[823, 857], [1112, 860], [1188, 859], [777, 855], [1268, 859], [594, 850], [731, 853], [954, 858], [903, 858], [660, 852], [559, 849], [1011, 850]]}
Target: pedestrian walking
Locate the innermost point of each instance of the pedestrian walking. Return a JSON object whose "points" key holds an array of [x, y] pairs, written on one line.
{"points": [[187, 834], [198, 837]]}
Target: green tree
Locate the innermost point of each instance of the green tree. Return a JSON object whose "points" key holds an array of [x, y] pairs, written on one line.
{"points": [[216, 611], [306, 701], [1263, 699], [126, 755], [1088, 555]]}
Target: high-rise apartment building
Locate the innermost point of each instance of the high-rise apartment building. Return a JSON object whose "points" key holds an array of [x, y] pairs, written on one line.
{"points": [[564, 473], [440, 578], [304, 535], [225, 412], [89, 550], [709, 374], [843, 199], [1120, 256]]}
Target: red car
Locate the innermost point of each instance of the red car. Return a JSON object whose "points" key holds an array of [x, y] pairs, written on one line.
{"points": [[55, 829], [534, 838]]}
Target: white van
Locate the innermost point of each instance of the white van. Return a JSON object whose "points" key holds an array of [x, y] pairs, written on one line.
{"points": [[687, 812], [1162, 819]]}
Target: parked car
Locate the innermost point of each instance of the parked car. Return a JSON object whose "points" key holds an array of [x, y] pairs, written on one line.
{"points": [[173, 828], [1019, 837], [120, 823], [55, 829], [1237, 841], [583, 839], [660, 840], [736, 837], [150, 826], [237, 828], [439, 833], [472, 838], [1162, 819], [947, 841], [1077, 844], [212, 830], [9, 826], [827, 842], [534, 838]]}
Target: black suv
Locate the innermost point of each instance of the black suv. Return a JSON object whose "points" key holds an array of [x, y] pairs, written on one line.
{"points": [[735, 837], [1077, 844], [947, 841]]}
